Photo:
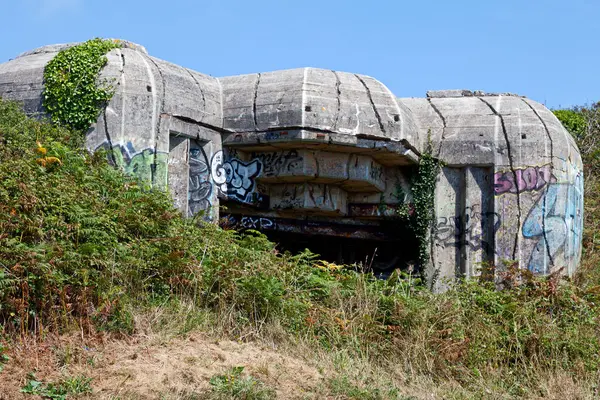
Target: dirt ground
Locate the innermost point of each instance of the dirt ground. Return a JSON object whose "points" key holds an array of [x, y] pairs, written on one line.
{"points": [[146, 368], [179, 368]]}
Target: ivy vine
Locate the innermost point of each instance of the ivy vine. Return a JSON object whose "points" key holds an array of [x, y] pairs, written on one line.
{"points": [[423, 193], [73, 95], [420, 212]]}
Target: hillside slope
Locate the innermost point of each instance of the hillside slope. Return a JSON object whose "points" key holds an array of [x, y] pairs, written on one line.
{"points": [[88, 251]]}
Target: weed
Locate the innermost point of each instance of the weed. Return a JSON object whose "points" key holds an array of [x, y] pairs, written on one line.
{"points": [[342, 386], [232, 385], [3, 357], [69, 386]]}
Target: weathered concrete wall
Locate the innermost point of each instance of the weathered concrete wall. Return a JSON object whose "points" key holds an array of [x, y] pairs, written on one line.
{"points": [[162, 118], [316, 100], [321, 152], [519, 176]]}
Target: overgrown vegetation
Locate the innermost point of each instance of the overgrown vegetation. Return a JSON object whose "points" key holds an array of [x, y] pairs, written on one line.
{"points": [[344, 387], [73, 95], [84, 247]]}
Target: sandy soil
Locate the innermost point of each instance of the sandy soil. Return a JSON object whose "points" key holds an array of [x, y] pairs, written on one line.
{"points": [[146, 368]]}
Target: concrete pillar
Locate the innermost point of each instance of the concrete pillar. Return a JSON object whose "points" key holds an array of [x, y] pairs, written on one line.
{"points": [[446, 252], [478, 220]]}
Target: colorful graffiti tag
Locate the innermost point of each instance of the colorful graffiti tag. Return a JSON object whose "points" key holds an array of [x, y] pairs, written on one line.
{"points": [[556, 222], [145, 165], [527, 179]]}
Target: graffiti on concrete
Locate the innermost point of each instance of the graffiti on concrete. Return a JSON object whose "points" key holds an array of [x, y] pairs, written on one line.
{"points": [[377, 210], [527, 179], [257, 223], [556, 222], [274, 135], [307, 195], [307, 227], [275, 163], [145, 165], [321, 196], [200, 186], [468, 229], [235, 178], [248, 222]]}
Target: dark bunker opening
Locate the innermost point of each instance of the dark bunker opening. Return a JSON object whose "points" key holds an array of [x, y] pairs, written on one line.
{"points": [[381, 248]]}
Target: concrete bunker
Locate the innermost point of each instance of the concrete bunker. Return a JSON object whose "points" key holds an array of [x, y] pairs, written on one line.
{"points": [[344, 214], [325, 158], [318, 159]]}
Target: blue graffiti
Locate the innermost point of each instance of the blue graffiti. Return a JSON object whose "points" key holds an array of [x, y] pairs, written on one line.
{"points": [[556, 221]]}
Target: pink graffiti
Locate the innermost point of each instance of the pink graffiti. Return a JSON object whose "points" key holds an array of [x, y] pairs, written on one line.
{"points": [[528, 179]]}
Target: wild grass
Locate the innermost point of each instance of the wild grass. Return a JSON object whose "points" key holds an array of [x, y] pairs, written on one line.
{"points": [[234, 385], [67, 387], [84, 247]]}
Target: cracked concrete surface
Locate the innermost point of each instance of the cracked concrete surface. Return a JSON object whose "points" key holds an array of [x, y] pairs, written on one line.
{"points": [[254, 102], [375, 111], [512, 168], [437, 111]]}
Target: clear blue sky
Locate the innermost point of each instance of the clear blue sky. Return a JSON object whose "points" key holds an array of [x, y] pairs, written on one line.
{"points": [[547, 50]]}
